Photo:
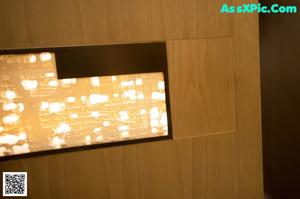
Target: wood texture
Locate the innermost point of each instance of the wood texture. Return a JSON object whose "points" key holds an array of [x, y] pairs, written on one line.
{"points": [[214, 90], [248, 115], [201, 167], [201, 86], [33, 23]]}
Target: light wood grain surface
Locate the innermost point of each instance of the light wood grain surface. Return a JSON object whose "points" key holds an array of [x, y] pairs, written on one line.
{"points": [[28, 23], [201, 86], [215, 100]]}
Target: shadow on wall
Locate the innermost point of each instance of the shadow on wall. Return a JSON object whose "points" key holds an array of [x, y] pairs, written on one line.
{"points": [[280, 76]]}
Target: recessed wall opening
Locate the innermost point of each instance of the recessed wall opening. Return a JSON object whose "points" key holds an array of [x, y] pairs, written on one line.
{"points": [[82, 97]]}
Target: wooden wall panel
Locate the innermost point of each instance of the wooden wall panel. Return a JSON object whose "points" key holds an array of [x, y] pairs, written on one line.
{"points": [[201, 86], [33, 23], [214, 79], [248, 115], [200, 167]]}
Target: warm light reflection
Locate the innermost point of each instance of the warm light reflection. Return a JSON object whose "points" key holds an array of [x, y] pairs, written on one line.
{"points": [[40, 112]]}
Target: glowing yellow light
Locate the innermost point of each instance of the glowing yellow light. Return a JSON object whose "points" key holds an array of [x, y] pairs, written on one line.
{"points": [[56, 107], [83, 99], [143, 111], [9, 139], [113, 78], [57, 142], [21, 107], [32, 59], [154, 123], [2, 151], [68, 81], [97, 130], [95, 81], [123, 115], [21, 149], [73, 112], [140, 96], [53, 83], [74, 115], [98, 98], [9, 106], [138, 82], [22, 136], [29, 85], [63, 128], [49, 74], [10, 119], [161, 85], [158, 96], [99, 138], [130, 94], [123, 128], [88, 139], [127, 83], [71, 99], [164, 119], [95, 114], [45, 57], [10, 95], [44, 106], [154, 113], [154, 130], [106, 123], [125, 134]]}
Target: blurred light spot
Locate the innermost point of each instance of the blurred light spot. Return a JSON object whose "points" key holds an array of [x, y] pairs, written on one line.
{"points": [[88, 139], [154, 113], [127, 83], [44, 106], [125, 134], [143, 111], [98, 98], [45, 57], [49, 74], [123, 128], [57, 142], [10, 94], [9, 139], [164, 119], [74, 115], [29, 85], [21, 149], [154, 130], [106, 123], [138, 82], [140, 96], [158, 96], [9, 106], [56, 107], [63, 128], [20, 107], [95, 81], [97, 130], [161, 85], [53, 83], [71, 99], [95, 114], [123, 115], [10, 119], [32, 58]]}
